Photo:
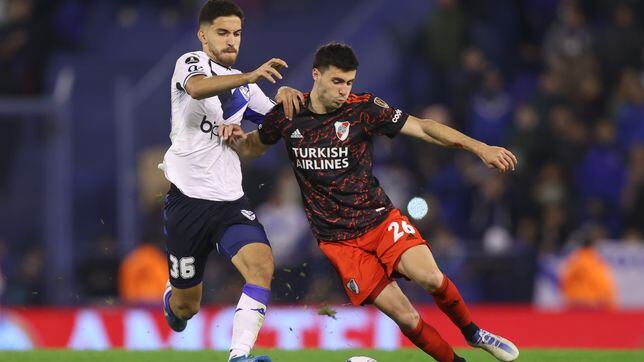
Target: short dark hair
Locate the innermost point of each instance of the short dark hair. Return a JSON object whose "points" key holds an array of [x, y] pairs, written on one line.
{"points": [[335, 54], [213, 9]]}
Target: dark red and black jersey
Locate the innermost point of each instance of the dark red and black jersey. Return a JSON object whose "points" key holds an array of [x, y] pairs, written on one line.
{"points": [[332, 157]]}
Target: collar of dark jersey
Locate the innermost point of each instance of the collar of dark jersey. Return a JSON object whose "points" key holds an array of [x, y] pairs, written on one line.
{"points": [[307, 110]]}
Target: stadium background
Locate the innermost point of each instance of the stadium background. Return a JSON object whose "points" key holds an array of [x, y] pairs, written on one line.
{"points": [[84, 120]]}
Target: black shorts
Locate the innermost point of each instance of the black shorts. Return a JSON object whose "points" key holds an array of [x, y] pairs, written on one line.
{"points": [[195, 226]]}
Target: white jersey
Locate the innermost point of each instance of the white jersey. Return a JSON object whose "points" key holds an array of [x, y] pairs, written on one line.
{"points": [[198, 163]]}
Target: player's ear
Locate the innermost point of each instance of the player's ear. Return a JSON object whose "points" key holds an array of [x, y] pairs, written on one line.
{"points": [[316, 74], [201, 35]]}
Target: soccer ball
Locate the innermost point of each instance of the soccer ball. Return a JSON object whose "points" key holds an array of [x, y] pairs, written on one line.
{"points": [[361, 359]]}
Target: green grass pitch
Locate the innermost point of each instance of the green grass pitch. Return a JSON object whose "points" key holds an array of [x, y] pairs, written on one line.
{"points": [[405, 355]]}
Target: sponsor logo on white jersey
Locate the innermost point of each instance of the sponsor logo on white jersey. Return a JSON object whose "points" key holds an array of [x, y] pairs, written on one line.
{"points": [[192, 59]]}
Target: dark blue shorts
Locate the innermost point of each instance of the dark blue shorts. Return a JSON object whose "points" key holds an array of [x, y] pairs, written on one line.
{"points": [[195, 226]]}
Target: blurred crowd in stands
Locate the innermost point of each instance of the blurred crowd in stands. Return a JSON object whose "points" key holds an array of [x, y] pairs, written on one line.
{"points": [[558, 82]]}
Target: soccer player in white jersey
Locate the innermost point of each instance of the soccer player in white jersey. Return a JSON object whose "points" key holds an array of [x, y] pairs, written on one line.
{"points": [[206, 207]]}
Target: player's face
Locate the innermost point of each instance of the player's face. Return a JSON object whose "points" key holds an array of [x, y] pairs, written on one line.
{"points": [[221, 39], [333, 86]]}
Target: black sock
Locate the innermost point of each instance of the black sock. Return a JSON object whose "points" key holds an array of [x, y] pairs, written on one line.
{"points": [[469, 331]]}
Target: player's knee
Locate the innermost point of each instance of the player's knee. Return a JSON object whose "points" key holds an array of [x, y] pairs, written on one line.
{"points": [[261, 272], [432, 280], [185, 309], [407, 318]]}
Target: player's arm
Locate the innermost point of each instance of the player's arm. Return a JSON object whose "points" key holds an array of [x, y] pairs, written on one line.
{"points": [[259, 104], [247, 145], [201, 87], [290, 99], [435, 132]]}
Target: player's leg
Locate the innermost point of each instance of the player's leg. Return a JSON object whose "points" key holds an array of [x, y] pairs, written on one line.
{"points": [[395, 304], [419, 265], [249, 251], [179, 305], [366, 281], [187, 245]]}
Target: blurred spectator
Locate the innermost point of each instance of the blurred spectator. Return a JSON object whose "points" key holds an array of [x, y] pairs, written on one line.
{"points": [[98, 272], [633, 191], [152, 187], [527, 234], [288, 232], [445, 34], [587, 97], [143, 275], [490, 208], [620, 43], [26, 286], [601, 176], [25, 46], [586, 279], [555, 227], [286, 225], [550, 93], [550, 188], [3, 282], [465, 81], [527, 140], [491, 110], [568, 136], [493, 26], [444, 38], [397, 181], [630, 110], [568, 38]]}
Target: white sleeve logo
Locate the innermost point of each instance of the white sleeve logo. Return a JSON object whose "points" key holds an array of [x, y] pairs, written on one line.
{"points": [[195, 68], [192, 60], [397, 116]]}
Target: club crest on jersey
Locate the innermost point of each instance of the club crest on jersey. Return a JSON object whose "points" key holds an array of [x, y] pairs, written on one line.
{"points": [[353, 286], [342, 130], [245, 91], [249, 214]]}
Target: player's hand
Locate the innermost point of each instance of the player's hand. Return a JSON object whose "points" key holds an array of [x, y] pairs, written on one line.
{"points": [[290, 99], [231, 133], [267, 71], [499, 158]]}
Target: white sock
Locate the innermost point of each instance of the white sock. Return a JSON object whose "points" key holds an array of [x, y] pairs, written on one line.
{"points": [[248, 319]]}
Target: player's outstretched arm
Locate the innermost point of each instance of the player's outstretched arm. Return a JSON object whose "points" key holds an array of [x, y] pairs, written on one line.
{"points": [[290, 99], [435, 132], [201, 87], [247, 145]]}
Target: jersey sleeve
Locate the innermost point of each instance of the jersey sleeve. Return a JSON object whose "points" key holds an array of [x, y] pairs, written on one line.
{"points": [[189, 65], [270, 130], [258, 104], [382, 119]]}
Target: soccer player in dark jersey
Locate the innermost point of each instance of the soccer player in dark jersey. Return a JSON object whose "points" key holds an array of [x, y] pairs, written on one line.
{"points": [[368, 240]]}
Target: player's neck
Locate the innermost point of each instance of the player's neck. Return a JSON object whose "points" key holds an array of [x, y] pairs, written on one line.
{"points": [[316, 106], [212, 57]]}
